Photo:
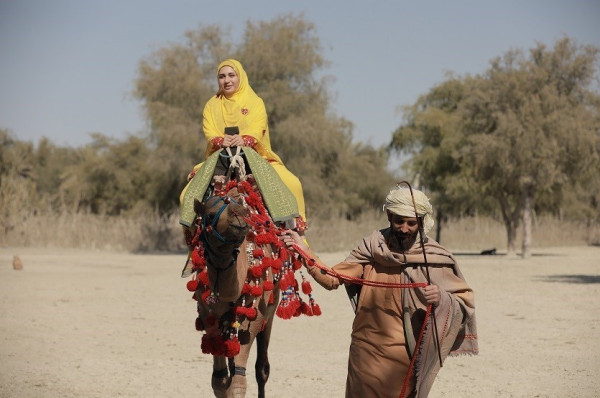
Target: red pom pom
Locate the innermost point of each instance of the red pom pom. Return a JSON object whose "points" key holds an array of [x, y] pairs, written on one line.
{"points": [[296, 264], [192, 285], [251, 313], [213, 344], [258, 253], [231, 347], [240, 311], [266, 262], [283, 311], [283, 284], [198, 259], [276, 264], [306, 310], [283, 254], [306, 288], [205, 295], [246, 289], [206, 344], [203, 278], [257, 271], [316, 309], [256, 291], [268, 286]]}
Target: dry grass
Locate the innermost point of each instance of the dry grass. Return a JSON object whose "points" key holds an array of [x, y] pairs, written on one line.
{"points": [[162, 233]]}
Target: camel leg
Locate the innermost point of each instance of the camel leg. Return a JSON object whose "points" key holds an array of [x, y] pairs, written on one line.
{"points": [[220, 377], [237, 368], [262, 367]]}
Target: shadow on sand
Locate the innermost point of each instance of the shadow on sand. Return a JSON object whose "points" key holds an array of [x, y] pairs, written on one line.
{"points": [[574, 278]]}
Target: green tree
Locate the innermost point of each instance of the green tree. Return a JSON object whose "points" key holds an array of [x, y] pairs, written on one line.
{"points": [[431, 136], [17, 182], [522, 134]]}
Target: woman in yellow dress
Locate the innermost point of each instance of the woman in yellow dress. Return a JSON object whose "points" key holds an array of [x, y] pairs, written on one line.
{"points": [[236, 104]]}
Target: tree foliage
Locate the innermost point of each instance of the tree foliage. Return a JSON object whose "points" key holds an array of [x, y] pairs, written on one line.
{"points": [[146, 172], [524, 134], [282, 58]]}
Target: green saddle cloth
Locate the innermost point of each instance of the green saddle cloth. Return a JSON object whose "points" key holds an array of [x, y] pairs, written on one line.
{"points": [[278, 199]]}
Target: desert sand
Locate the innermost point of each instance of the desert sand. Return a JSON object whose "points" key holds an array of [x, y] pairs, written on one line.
{"points": [[102, 324]]}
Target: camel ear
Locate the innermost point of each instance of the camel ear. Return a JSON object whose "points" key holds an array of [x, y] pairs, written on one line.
{"points": [[199, 207]]}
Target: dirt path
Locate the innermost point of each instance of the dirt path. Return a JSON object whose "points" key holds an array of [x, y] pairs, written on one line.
{"points": [[102, 324]]}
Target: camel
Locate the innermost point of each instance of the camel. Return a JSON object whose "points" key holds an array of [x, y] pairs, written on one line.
{"points": [[240, 269]]}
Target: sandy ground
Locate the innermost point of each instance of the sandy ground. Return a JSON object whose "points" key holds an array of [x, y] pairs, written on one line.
{"points": [[102, 324]]}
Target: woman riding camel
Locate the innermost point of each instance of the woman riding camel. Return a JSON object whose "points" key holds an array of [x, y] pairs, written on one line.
{"points": [[237, 105]]}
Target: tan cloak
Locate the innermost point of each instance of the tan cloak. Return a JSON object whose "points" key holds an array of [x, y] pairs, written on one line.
{"points": [[388, 320]]}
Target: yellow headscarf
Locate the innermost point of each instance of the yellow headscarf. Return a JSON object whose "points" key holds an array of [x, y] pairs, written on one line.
{"points": [[243, 109], [399, 201]]}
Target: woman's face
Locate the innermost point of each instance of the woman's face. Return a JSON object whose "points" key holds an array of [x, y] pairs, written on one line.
{"points": [[229, 81]]}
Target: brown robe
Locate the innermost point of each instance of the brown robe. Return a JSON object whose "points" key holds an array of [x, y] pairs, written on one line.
{"points": [[388, 320]]}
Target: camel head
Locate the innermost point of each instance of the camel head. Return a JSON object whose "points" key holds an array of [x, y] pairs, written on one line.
{"points": [[224, 218]]}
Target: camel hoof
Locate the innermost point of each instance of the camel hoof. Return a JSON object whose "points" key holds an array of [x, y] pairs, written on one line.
{"points": [[237, 389], [219, 386]]}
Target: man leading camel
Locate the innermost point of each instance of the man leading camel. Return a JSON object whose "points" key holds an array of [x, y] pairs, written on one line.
{"points": [[388, 321]]}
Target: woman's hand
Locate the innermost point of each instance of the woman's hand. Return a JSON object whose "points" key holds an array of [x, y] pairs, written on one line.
{"points": [[291, 238], [432, 294], [232, 140]]}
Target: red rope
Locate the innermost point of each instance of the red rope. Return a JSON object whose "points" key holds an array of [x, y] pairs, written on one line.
{"points": [[357, 281], [413, 360], [366, 282]]}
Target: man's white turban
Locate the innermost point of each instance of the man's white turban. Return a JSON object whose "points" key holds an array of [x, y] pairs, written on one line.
{"points": [[399, 201]]}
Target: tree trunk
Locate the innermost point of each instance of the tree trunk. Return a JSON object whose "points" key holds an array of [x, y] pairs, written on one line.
{"points": [[438, 227], [511, 238], [527, 213]]}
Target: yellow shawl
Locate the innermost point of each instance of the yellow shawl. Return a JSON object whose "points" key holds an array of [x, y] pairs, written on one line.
{"points": [[243, 109]]}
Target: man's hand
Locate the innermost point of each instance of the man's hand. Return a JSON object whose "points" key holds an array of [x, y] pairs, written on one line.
{"points": [[432, 294], [232, 140], [291, 238]]}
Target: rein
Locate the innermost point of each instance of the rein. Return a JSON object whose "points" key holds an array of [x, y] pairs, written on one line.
{"points": [[215, 220], [357, 281]]}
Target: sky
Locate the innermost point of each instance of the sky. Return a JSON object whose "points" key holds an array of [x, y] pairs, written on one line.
{"points": [[68, 67]]}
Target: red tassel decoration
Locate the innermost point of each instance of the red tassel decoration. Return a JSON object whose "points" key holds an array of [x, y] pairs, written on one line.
{"points": [[192, 285], [276, 265], [306, 287], [205, 295], [316, 309], [268, 286], [257, 271], [246, 289], [251, 313], [232, 347], [256, 290], [256, 253], [306, 310], [240, 311], [283, 254], [296, 264], [203, 278]]}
